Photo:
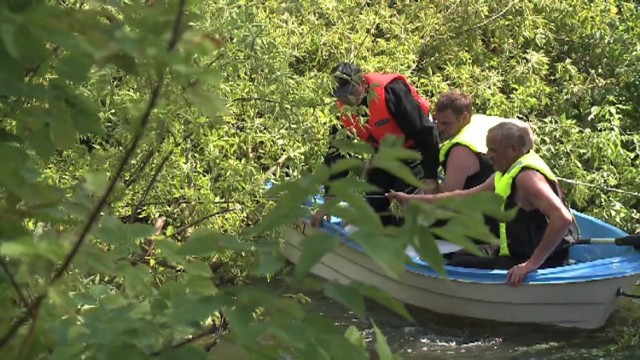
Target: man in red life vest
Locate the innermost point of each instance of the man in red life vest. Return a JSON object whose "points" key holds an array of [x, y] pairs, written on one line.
{"points": [[395, 108]]}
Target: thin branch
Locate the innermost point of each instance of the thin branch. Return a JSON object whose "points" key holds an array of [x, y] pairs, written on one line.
{"points": [[14, 283], [599, 187], [249, 99], [186, 227], [213, 329], [26, 344], [138, 170], [180, 202], [494, 17], [152, 182], [275, 167], [95, 213], [144, 261]]}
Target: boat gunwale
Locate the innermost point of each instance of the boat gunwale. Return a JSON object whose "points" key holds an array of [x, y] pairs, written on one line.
{"points": [[589, 271]]}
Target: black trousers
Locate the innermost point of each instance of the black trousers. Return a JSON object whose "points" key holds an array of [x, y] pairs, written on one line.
{"points": [[387, 182], [466, 259]]}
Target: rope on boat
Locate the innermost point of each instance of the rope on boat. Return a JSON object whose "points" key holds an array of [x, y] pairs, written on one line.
{"points": [[621, 292], [576, 182]]}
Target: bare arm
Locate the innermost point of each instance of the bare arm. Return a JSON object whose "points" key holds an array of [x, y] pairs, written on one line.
{"points": [[402, 197], [537, 191], [461, 163]]}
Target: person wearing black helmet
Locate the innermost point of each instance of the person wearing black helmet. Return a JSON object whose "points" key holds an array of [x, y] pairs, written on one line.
{"points": [[394, 108]]}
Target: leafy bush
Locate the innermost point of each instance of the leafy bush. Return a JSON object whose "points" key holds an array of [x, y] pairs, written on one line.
{"points": [[137, 137]]}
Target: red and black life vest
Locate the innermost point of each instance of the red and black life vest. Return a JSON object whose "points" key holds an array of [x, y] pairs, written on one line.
{"points": [[380, 122]]}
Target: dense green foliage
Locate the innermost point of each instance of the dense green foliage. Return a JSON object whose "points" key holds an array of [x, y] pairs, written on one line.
{"points": [[120, 115]]}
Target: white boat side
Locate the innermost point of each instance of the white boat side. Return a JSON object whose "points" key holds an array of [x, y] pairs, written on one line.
{"points": [[582, 303]]}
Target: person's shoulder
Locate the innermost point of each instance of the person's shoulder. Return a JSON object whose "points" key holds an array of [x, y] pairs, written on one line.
{"points": [[460, 151], [530, 179]]}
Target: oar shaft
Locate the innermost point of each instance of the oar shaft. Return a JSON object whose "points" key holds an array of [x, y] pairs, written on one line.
{"points": [[629, 240], [596, 241]]}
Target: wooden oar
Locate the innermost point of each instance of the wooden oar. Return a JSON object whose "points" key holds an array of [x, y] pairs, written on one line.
{"points": [[629, 240]]}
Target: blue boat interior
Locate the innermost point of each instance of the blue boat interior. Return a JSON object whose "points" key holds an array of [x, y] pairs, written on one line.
{"points": [[588, 262]]}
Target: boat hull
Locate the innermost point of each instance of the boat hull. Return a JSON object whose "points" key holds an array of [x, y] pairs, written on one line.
{"points": [[583, 304]]}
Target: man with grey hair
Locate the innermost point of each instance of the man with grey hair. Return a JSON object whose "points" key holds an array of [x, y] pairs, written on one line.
{"points": [[543, 228]]}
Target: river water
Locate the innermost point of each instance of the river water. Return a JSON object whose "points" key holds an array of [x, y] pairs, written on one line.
{"points": [[446, 337]]}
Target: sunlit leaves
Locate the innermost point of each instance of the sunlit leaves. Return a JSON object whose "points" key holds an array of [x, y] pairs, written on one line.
{"points": [[245, 100]]}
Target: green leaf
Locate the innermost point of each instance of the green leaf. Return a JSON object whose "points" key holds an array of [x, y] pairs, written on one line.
{"points": [[96, 183], [202, 242], [457, 235], [208, 102], [92, 259], [198, 268], [6, 136], [384, 352], [136, 279], [208, 242], [396, 168], [346, 164], [124, 62], [40, 194], [184, 352], [8, 33], [355, 337], [346, 189], [84, 114], [269, 262], [113, 231], [387, 252], [170, 250], [40, 141], [390, 148], [75, 66], [11, 78], [61, 129], [199, 285], [355, 147], [384, 299], [427, 248], [486, 202], [347, 296], [314, 247]]}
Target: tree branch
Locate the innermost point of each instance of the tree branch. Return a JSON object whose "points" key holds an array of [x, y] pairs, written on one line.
{"points": [[136, 172], [249, 99], [186, 227], [14, 283], [95, 213], [26, 344], [152, 182], [213, 329], [494, 17]]}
